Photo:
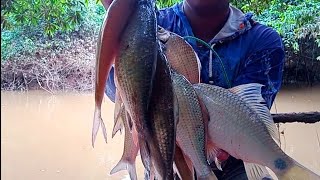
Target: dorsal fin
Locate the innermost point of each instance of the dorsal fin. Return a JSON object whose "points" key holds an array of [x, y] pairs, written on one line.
{"points": [[251, 94]]}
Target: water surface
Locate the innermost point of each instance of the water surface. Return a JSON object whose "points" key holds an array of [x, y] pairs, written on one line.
{"points": [[48, 137]]}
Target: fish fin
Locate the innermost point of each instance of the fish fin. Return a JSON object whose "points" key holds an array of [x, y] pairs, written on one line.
{"points": [[132, 171], [297, 172], [118, 122], [117, 105], [213, 155], [251, 93], [176, 171], [96, 125], [145, 154], [117, 127], [217, 162], [122, 165], [104, 130], [256, 172], [125, 165], [97, 122]]}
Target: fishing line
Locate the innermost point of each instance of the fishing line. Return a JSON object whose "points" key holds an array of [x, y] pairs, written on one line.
{"points": [[216, 54]]}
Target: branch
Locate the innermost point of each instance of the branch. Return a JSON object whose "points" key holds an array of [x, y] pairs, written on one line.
{"points": [[305, 117]]}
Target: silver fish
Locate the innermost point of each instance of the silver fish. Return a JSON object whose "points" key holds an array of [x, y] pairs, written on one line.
{"points": [[241, 124], [191, 128]]}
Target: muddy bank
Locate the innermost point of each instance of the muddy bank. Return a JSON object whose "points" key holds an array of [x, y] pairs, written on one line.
{"points": [[58, 65]]}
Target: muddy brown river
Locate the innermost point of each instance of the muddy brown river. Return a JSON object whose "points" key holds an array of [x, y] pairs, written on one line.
{"points": [[48, 137]]}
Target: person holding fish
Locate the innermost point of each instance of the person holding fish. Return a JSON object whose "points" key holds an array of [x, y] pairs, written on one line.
{"points": [[241, 51], [202, 93]]}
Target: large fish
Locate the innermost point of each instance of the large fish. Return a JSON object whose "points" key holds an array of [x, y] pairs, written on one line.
{"points": [[135, 66], [241, 124], [107, 48], [130, 150], [162, 121], [191, 128]]}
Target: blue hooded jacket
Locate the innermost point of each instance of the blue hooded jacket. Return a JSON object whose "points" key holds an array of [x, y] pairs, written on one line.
{"points": [[250, 52]]}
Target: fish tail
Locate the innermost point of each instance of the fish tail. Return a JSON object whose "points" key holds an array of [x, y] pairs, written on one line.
{"points": [[95, 127], [125, 165], [118, 123], [132, 171], [117, 127], [296, 171], [97, 122], [145, 154]]}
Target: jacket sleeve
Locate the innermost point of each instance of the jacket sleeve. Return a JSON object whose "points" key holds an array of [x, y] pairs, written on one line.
{"points": [[111, 88], [264, 67]]}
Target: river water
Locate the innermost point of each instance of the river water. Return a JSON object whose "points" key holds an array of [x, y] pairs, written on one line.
{"points": [[48, 137]]}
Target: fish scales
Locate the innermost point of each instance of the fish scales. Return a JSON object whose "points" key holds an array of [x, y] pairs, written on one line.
{"points": [[136, 63], [243, 127], [162, 120], [190, 128], [183, 58]]}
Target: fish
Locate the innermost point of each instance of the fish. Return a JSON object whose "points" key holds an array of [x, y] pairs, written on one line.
{"points": [[162, 123], [130, 150], [241, 124], [136, 64], [135, 68], [191, 135], [182, 58], [114, 23]]}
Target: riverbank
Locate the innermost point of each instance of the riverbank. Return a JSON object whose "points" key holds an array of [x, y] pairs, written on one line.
{"points": [[60, 65], [68, 65]]}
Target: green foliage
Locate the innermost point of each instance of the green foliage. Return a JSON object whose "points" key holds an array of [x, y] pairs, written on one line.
{"points": [[14, 42], [256, 6], [50, 17], [167, 3], [27, 24], [294, 21]]}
